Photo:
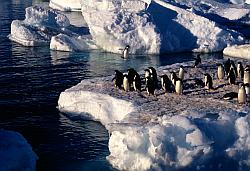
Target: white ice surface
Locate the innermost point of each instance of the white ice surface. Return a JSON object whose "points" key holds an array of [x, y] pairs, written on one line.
{"points": [[242, 51], [65, 5], [166, 132], [156, 28], [15, 152]]}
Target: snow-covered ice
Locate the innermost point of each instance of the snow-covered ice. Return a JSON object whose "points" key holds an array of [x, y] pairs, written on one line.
{"points": [[65, 5], [168, 131], [15, 152], [242, 51]]}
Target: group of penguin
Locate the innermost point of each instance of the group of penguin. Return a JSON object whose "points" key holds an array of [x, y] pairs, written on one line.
{"points": [[131, 80]]}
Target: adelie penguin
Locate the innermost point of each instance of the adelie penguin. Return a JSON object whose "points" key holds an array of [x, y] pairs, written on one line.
{"points": [[242, 94], [246, 79], [208, 81], [166, 84], [137, 83], [125, 52], [227, 66], [173, 77], [118, 79], [146, 74], [181, 72], [150, 86], [179, 87], [153, 75], [131, 76], [125, 82], [220, 71], [231, 76], [197, 61], [240, 70]]}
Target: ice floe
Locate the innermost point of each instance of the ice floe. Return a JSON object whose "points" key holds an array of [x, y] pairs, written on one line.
{"points": [[168, 131], [65, 5], [242, 51], [15, 152]]}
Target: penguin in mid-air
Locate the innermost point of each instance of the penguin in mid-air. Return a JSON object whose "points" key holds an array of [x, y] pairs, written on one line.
{"points": [[179, 87], [153, 75], [208, 81], [173, 77], [150, 86], [246, 79], [166, 83], [231, 76], [220, 71], [242, 94], [240, 70], [137, 83], [118, 79], [197, 60], [125, 52], [181, 72], [125, 82]]}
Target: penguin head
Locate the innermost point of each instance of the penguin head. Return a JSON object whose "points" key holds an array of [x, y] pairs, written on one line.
{"points": [[127, 47]]}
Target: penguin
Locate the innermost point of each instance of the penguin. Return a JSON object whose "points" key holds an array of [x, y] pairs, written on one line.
{"points": [[246, 79], [227, 66], [197, 61], [240, 70], [181, 72], [173, 77], [137, 83], [166, 84], [247, 89], [208, 81], [179, 87], [231, 76], [242, 94], [153, 75], [220, 71], [150, 86], [131, 76], [234, 68], [230, 96], [125, 82], [118, 79], [146, 73], [125, 52]]}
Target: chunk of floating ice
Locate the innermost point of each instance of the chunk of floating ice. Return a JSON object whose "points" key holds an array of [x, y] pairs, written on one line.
{"points": [[66, 5], [15, 152], [242, 51]]}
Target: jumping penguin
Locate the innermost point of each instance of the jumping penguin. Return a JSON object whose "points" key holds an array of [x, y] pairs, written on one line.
{"points": [[150, 86], [179, 87], [231, 76], [166, 84], [208, 81], [197, 61], [242, 94], [220, 71], [125, 82], [240, 70], [181, 72], [125, 52], [118, 79], [137, 83], [246, 76]]}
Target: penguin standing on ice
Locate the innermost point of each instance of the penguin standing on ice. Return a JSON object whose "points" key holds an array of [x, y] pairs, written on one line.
{"points": [[179, 87], [137, 83], [208, 81], [197, 60], [246, 79], [231, 75], [125, 52], [181, 72], [153, 75], [173, 77], [150, 86], [125, 82], [220, 71], [118, 79], [240, 70], [166, 84], [242, 94]]}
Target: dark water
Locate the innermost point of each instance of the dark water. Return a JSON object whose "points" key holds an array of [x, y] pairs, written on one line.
{"points": [[30, 83]]}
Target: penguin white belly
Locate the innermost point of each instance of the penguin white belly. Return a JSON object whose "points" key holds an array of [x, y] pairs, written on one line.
{"points": [[220, 73], [242, 95], [125, 53], [178, 87], [125, 84], [134, 86], [181, 74], [246, 78]]}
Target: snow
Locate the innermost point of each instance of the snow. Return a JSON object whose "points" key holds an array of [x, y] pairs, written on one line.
{"points": [[169, 131], [242, 51], [65, 5], [15, 152]]}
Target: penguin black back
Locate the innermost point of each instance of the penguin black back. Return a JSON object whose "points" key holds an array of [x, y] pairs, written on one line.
{"points": [[231, 76], [150, 86], [137, 82], [131, 75], [166, 83], [154, 75], [118, 79], [227, 65], [197, 60]]}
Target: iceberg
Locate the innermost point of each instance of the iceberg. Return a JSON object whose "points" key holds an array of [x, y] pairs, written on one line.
{"points": [[15, 152], [65, 5], [242, 51], [169, 131]]}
